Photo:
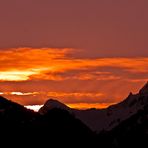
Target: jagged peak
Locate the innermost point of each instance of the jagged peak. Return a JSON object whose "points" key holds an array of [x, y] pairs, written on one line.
{"points": [[144, 89], [130, 94]]}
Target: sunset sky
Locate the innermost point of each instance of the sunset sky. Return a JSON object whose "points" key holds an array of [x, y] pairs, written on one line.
{"points": [[85, 53]]}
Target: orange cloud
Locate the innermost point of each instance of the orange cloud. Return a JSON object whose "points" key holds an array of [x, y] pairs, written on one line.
{"points": [[18, 64], [27, 63], [32, 75]]}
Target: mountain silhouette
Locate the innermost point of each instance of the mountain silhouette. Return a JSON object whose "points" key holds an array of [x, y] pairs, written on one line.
{"points": [[132, 132], [54, 127], [106, 119], [124, 124], [144, 90], [51, 104]]}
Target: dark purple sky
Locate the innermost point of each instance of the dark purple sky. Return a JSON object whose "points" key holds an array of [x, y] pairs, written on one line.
{"points": [[100, 27]]}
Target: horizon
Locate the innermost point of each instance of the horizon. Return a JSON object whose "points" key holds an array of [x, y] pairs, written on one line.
{"points": [[86, 54], [83, 106]]}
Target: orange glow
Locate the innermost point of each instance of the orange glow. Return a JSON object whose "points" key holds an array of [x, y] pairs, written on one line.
{"points": [[36, 74], [26, 63], [76, 94], [15, 75], [75, 106], [89, 105]]}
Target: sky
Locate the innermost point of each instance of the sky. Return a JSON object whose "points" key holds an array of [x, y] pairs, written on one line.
{"points": [[85, 53]]}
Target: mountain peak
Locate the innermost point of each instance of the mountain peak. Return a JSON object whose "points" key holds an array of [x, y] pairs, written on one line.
{"points": [[51, 104], [144, 90]]}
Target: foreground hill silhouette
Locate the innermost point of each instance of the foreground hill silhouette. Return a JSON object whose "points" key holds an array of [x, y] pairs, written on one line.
{"points": [[57, 126]]}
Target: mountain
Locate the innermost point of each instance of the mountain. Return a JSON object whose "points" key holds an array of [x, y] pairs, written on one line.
{"points": [[106, 119], [144, 90], [28, 127], [13, 114], [121, 125], [51, 104], [132, 132]]}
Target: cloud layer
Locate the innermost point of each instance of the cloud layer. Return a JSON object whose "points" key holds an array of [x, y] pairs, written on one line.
{"points": [[32, 75]]}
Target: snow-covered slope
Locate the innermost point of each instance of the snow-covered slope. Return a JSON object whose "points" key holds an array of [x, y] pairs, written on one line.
{"points": [[106, 119]]}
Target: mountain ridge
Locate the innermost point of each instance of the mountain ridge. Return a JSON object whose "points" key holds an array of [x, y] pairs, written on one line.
{"points": [[121, 125], [106, 119], [26, 126], [51, 104]]}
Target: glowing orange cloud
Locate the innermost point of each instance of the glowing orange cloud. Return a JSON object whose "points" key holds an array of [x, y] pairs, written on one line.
{"points": [[27, 63], [19, 64], [32, 75], [15, 75]]}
